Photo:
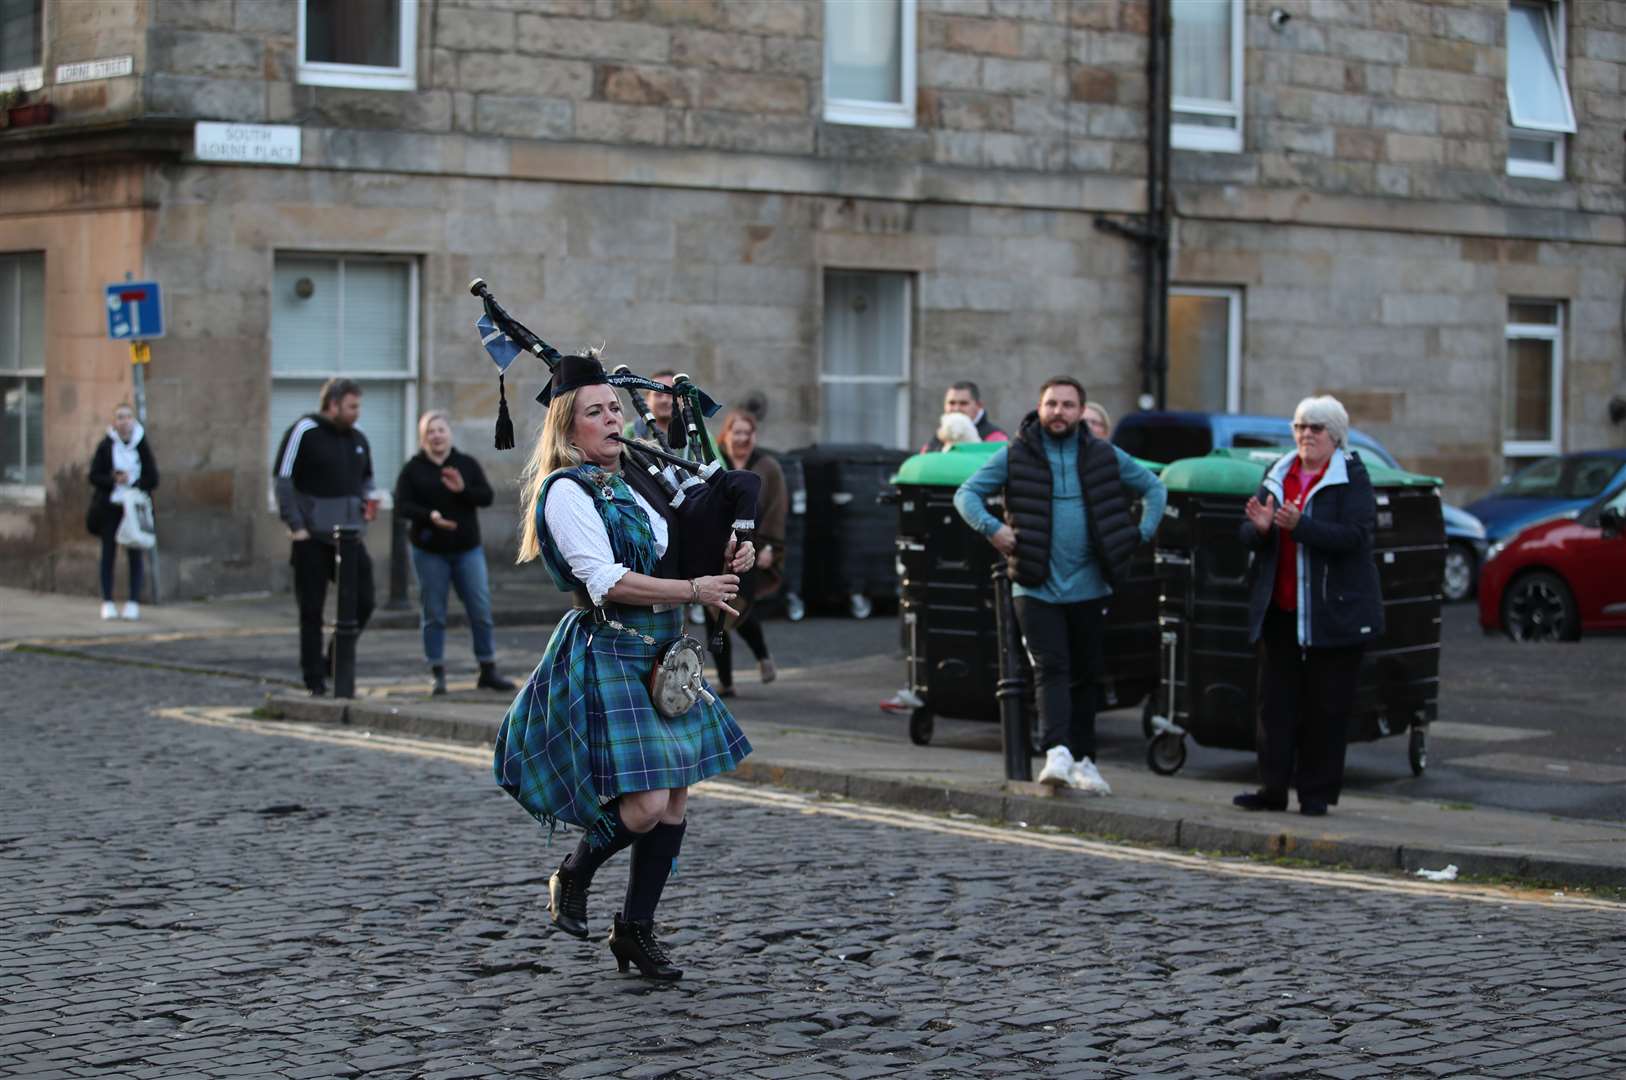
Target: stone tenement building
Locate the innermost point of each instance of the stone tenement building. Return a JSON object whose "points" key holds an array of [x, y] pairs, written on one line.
{"points": [[837, 207]]}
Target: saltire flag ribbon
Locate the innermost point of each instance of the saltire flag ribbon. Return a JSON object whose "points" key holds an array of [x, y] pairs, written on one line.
{"points": [[499, 346]]}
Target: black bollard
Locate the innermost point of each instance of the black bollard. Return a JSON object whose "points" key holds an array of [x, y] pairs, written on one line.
{"points": [[1013, 721], [348, 540], [398, 562]]}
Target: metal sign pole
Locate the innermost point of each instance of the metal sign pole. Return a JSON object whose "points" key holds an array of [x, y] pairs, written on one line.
{"points": [[140, 356]]}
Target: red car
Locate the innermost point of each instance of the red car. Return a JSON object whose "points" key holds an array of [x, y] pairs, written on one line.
{"points": [[1559, 577]]}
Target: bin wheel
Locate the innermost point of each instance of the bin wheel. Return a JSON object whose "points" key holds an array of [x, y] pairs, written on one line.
{"points": [[1417, 751], [1146, 713], [1166, 753], [920, 727], [859, 606]]}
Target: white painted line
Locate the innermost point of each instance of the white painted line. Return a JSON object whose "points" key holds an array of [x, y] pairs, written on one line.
{"points": [[826, 806]]}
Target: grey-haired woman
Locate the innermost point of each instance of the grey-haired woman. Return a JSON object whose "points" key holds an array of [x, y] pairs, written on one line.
{"points": [[1315, 605]]}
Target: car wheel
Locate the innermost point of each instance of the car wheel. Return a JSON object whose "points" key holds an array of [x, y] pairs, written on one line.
{"points": [[1539, 607], [1460, 571]]}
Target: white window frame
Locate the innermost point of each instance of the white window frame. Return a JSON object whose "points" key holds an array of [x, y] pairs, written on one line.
{"points": [[404, 76], [901, 382], [895, 114], [29, 79], [23, 494], [1214, 139], [1233, 335], [1545, 133], [384, 487], [1554, 334]]}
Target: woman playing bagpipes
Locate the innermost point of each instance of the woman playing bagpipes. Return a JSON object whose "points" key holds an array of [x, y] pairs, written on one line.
{"points": [[584, 742]]}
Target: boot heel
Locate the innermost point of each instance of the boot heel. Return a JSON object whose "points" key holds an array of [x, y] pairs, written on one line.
{"points": [[622, 964]]}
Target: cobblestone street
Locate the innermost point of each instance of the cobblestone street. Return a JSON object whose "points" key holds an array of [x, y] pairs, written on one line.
{"points": [[188, 895]]}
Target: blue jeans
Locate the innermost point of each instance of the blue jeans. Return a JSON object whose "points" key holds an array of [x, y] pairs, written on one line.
{"points": [[464, 571]]}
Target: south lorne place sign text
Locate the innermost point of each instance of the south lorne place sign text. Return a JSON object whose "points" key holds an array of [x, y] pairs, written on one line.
{"points": [[251, 144]]}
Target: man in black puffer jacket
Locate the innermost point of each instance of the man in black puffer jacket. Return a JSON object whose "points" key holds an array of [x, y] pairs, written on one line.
{"points": [[1067, 536], [324, 477]]}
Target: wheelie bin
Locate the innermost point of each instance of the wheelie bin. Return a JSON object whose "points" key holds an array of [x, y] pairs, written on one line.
{"points": [[946, 600], [1209, 673], [848, 557]]}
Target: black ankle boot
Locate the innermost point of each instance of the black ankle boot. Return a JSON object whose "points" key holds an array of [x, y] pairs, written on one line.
{"points": [[634, 943], [490, 680], [567, 901], [439, 687], [567, 888]]}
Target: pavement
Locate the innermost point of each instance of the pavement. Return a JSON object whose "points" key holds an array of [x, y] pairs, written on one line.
{"points": [[818, 729]]}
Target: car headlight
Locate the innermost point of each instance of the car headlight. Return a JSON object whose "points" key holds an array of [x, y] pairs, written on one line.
{"points": [[1495, 550]]}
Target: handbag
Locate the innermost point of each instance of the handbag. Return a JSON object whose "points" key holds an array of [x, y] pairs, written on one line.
{"points": [[136, 528]]}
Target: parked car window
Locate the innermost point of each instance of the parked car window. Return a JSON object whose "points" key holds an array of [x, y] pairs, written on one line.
{"points": [[1163, 442], [1589, 477], [1540, 480]]}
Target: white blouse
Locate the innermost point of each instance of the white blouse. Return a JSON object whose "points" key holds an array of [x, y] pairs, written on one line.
{"points": [[579, 533]]}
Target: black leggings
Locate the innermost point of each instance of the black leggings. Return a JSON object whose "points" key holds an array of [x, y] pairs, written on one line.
{"points": [[748, 628], [110, 555]]}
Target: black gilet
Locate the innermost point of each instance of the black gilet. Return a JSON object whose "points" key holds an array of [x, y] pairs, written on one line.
{"points": [[1113, 534]]}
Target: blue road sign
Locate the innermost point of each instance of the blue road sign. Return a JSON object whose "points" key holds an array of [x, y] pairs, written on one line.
{"points": [[135, 311]]}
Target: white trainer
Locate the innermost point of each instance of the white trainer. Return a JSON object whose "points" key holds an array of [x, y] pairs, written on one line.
{"points": [[132, 611], [110, 610], [1086, 777], [1058, 767]]}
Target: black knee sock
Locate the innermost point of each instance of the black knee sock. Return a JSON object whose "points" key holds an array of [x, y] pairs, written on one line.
{"points": [[652, 859], [586, 859]]}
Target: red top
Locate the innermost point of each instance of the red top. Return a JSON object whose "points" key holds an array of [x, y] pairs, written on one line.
{"points": [[1296, 491]]}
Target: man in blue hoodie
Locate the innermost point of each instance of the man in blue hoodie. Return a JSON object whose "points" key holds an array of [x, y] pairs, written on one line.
{"points": [[1067, 536]]}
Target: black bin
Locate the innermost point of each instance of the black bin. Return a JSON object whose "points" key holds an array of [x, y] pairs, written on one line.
{"points": [[848, 560]]}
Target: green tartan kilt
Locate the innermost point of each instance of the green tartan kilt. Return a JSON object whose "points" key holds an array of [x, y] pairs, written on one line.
{"points": [[635, 748], [583, 729]]}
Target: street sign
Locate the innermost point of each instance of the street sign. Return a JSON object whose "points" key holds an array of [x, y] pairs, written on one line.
{"points": [[135, 311]]}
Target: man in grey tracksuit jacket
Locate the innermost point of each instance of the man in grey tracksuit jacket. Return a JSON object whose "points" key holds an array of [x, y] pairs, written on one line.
{"points": [[324, 477]]}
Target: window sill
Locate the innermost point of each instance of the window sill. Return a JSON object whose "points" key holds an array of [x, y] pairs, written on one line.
{"points": [[870, 114], [357, 78], [28, 496], [1207, 139], [1531, 449]]}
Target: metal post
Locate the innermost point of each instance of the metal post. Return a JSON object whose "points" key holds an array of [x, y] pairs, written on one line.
{"points": [[398, 562], [1013, 721], [348, 539], [140, 355]]}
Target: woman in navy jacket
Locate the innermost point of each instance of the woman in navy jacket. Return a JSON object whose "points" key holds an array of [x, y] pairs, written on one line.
{"points": [[1315, 605]]}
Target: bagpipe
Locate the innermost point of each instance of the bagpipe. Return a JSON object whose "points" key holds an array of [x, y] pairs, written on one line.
{"points": [[705, 502]]}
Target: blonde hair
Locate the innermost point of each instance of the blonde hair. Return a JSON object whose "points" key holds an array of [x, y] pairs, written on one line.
{"points": [[553, 451], [1106, 417], [735, 416], [429, 417], [957, 427]]}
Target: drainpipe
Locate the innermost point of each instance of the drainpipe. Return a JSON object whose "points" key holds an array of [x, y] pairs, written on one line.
{"points": [[1153, 234]]}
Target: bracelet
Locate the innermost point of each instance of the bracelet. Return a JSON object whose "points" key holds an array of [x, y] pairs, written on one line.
{"points": [[694, 591]]}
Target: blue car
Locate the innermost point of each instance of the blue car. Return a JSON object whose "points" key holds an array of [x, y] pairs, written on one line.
{"points": [[1549, 488], [1170, 435]]}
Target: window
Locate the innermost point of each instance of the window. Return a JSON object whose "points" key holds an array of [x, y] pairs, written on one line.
{"points": [[1532, 393], [1205, 75], [1539, 109], [355, 316], [21, 25], [869, 62], [22, 376], [368, 44], [1205, 349], [865, 376]]}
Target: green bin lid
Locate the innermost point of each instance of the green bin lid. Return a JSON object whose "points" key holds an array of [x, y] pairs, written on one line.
{"points": [[1239, 471], [953, 467]]}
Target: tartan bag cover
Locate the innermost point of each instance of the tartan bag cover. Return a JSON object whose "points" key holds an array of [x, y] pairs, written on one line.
{"points": [[583, 729]]}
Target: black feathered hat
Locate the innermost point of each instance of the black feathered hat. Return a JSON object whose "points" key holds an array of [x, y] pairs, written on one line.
{"points": [[573, 373]]}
